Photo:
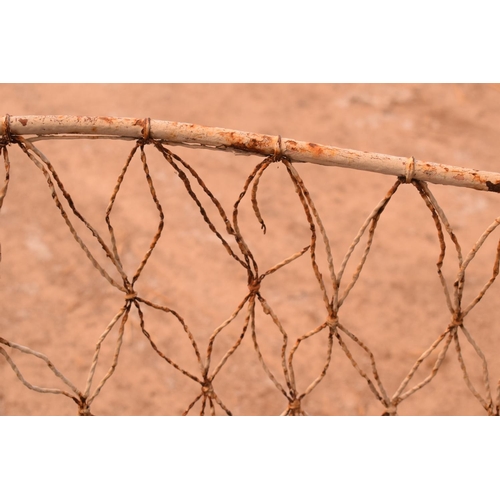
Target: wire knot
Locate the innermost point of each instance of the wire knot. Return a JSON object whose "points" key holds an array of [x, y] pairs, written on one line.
{"points": [[84, 409], [294, 408], [6, 132], [207, 389], [457, 319], [254, 285], [332, 321], [131, 294], [391, 411]]}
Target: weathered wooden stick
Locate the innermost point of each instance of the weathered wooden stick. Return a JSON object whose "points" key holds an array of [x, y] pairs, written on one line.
{"points": [[235, 141]]}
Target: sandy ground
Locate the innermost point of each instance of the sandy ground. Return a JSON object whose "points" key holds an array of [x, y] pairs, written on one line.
{"points": [[54, 301]]}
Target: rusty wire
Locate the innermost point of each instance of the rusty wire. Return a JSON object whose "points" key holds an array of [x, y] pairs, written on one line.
{"points": [[333, 287]]}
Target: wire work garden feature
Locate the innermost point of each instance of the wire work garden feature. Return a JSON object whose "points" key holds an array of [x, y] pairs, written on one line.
{"points": [[333, 283]]}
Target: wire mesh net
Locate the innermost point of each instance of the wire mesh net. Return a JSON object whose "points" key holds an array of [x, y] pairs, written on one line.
{"points": [[254, 315]]}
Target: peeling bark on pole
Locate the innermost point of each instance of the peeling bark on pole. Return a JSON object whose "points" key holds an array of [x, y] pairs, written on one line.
{"points": [[249, 143]]}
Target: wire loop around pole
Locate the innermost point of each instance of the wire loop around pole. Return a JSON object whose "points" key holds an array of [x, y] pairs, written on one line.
{"points": [[6, 132], [146, 131], [278, 150], [410, 169]]}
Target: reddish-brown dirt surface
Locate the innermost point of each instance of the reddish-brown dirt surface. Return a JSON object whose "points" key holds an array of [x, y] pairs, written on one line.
{"points": [[55, 302]]}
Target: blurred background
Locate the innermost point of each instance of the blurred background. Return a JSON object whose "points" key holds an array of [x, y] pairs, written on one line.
{"points": [[54, 301]]}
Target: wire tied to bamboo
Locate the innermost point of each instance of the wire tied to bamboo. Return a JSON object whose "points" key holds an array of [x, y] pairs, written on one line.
{"points": [[7, 137], [146, 131], [278, 150], [410, 170]]}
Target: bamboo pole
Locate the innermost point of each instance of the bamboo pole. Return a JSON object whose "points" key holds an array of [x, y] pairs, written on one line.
{"points": [[235, 141]]}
